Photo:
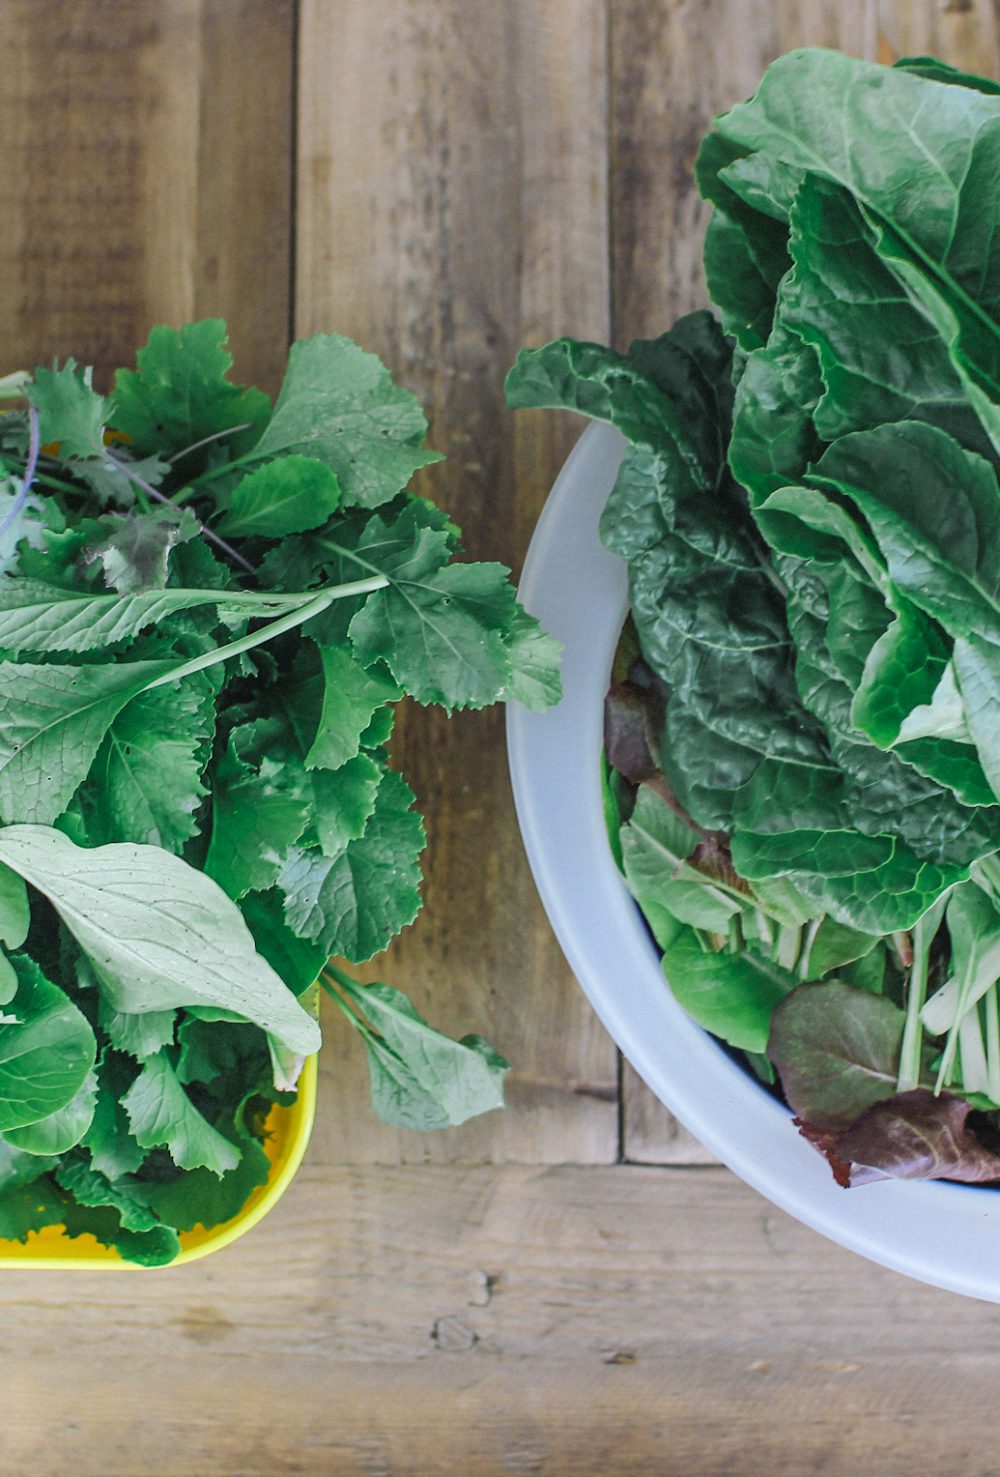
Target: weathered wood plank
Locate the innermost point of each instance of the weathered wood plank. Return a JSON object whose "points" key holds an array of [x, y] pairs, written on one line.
{"points": [[452, 168], [566, 1321], [144, 176], [673, 66]]}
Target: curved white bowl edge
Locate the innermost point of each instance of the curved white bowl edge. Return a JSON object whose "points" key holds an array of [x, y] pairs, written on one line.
{"points": [[945, 1235]]}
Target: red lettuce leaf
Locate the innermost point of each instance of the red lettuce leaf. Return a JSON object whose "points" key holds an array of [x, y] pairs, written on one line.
{"points": [[909, 1136]]}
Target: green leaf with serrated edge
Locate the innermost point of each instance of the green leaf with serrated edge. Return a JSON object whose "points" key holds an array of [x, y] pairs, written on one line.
{"points": [[731, 995], [70, 411], [26, 527], [62, 1129], [158, 933], [343, 802], [181, 392], [282, 497], [146, 782], [442, 633], [230, 1057], [40, 617], [117, 1213], [31, 1206], [45, 1058], [297, 960], [52, 722], [339, 405], [350, 698], [161, 1114], [113, 1150], [140, 1035], [355, 903], [656, 844], [534, 680], [200, 1198], [255, 822], [421, 1079]]}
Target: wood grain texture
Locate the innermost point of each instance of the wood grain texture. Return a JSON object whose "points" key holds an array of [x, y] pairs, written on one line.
{"points": [[451, 206], [570, 1322], [145, 177]]}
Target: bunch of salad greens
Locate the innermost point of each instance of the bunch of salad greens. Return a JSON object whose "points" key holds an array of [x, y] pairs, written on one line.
{"points": [[804, 733], [208, 610]]}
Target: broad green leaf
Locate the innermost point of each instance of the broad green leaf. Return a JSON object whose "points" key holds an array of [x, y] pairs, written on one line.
{"points": [[162, 1115], [45, 1058], [146, 782], [18, 1168], [113, 1150], [15, 914], [339, 405], [52, 722], [977, 667], [70, 411], [731, 995], [773, 438], [343, 801], [200, 1198], [350, 698], [442, 633], [181, 392], [934, 510], [353, 904], [421, 1079], [61, 1129], [157, 932], [140, 1035], [282, 497], [255, 823]]}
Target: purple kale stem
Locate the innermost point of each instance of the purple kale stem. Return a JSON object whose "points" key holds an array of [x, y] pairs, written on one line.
{"points": [[34, 447], [160, 497]]}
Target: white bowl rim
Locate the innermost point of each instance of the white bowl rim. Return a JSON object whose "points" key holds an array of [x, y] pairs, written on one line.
{"points": [[947, 1235]]}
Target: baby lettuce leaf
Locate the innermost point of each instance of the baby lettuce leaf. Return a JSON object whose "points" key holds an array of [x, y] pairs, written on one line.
{"points": [[161, 1113], [732, 995], [70, 411]]}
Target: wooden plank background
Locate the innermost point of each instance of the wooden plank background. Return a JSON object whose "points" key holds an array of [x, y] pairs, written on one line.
{"points": [[565, 1288]]}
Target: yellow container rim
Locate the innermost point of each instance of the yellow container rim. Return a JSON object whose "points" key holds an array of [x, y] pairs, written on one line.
{"points": [[287, 1136]]}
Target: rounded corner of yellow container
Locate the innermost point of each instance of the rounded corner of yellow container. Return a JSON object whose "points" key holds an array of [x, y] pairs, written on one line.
{"points": [[288, 1132]]}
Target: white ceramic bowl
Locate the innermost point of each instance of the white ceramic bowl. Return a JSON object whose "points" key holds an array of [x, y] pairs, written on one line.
{"points": [[944, 1234]]}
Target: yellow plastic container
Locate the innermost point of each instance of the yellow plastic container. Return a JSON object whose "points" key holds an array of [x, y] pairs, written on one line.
{"points": [[288, 1131]]}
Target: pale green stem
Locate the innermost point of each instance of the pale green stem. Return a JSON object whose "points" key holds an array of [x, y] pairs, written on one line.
{"points": [[909, 1052], [805, 957], [315, 606], [993, 1044], [789, 944]]}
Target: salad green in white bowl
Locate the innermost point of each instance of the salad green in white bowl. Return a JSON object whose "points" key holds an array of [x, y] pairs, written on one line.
{"points": [[802, 742]]}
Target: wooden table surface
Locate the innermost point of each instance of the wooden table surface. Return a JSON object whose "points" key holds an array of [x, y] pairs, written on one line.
{"points": [[569, 1287]]}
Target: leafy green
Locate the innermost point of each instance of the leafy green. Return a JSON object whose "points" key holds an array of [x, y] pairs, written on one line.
{"points": [[204, 630], [806, 755]]}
